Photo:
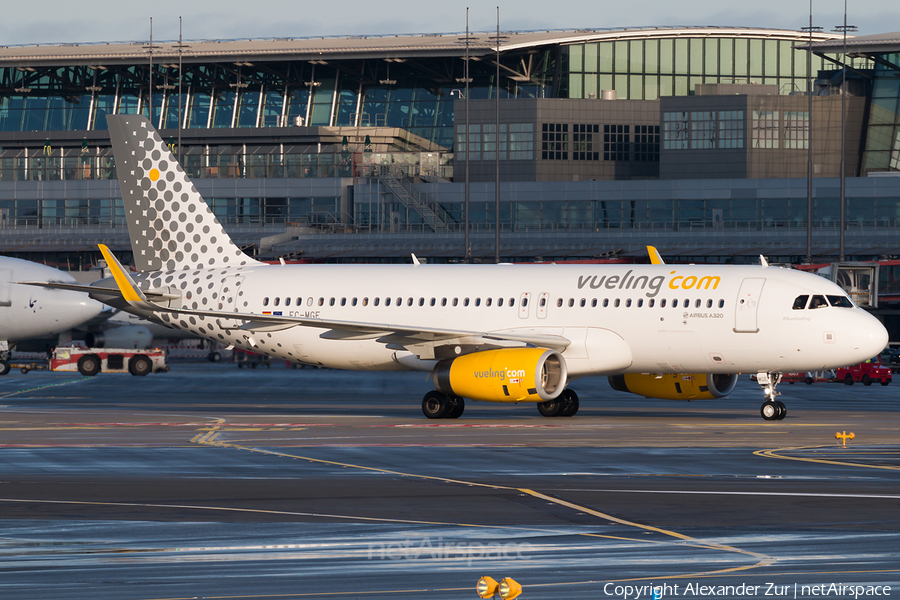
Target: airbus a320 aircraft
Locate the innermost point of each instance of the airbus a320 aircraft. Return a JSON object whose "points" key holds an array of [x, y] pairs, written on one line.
{"points": [[496, 333]]}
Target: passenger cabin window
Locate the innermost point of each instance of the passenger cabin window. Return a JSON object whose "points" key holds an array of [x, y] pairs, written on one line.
{"points": [[582, 303], [455, 301], [377, 300], [571, 302], [543, 302], [640, 302], [277, 301], [616, 303], [721, 303], [818, 302], [662, 303], [559, 303], [651, 303], [399, 301], [605, 302], [594, 303], [487, 301], [343, 302], [387, 301], [675, 303], [353, 302], [466, 302], [366, 301], [840, 301], [287, 301], [409, 302], [709, 303], [331, 302], [477, 301], [421, 301], [628, 303], [443, 302], [266, 301], [432, 302], [697, 303], [800, 302], [321, 301]]}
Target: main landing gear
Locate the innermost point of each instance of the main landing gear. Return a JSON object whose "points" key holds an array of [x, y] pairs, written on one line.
{"points": [[436, 405], [565, 405], [772, 409]]}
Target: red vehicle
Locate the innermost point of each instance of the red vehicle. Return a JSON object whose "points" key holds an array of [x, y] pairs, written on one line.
{"points": [[90, 361], [866, 372], [807, 377]]}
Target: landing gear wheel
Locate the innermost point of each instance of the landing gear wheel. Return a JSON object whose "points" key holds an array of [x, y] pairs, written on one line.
{"points": [[214, 357], [455, 407], [782, 410], [89, 365], [140, 365], [769, 411], [4, 367], [848, 379], [434, 405], [569, 403], [550, 408], [866, 380]]}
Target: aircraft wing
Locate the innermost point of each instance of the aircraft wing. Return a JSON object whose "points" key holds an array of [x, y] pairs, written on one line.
{"points": [[92, 289], [388, 333]]}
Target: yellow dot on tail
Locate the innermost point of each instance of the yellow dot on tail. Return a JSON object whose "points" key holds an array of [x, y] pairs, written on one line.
{"points": [[154, 174]]}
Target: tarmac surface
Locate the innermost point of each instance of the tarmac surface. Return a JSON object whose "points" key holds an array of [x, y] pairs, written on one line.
{"points": [[218, 483]]}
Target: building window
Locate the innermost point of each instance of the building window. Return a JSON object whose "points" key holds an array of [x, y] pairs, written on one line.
{"points": [[796, 130], [703, 130], [646, 143], [675, 131], [765, 129], [521, 141], [474, 146], [616, 142], [555, 141], [583, 142], [731, 129]]}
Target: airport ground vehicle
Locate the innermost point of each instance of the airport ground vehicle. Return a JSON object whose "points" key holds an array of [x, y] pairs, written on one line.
{"points": [[808, 377], [865, 372], [90, 361], [251, 359]]}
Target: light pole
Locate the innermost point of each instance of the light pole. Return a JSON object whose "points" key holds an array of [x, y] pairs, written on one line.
{"points": [[844, 29], [809, 138]]}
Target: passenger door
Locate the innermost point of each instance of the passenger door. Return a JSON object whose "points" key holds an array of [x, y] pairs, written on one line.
{"points": [[748, 305]]}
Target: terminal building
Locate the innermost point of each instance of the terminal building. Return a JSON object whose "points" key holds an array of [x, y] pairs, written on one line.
{"points": [[363, 148]]}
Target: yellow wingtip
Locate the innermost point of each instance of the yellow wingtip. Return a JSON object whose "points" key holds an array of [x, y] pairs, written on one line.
{"points": [[123, 281], [655, 258]]}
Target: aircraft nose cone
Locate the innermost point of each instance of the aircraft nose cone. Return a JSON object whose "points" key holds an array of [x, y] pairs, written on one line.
{"points": [[869, 336]]}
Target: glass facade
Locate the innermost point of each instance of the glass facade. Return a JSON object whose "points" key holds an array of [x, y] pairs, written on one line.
{"points": [[647, 69], [882, 149]]}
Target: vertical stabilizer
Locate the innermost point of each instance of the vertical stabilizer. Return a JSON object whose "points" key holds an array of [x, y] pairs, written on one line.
{"points": [[170, 225]]}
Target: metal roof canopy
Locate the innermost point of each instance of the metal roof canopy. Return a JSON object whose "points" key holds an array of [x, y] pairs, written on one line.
{"points": [[330, 48]]}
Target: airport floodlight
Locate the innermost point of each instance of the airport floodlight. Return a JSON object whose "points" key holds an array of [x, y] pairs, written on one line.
{"points": [[486, 587], [509, 589]]}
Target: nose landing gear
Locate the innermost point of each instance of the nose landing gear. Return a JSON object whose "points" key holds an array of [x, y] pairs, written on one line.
{"points": [[772, 409]]}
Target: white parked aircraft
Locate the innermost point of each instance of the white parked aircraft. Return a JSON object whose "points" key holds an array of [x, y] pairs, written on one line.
{"points": [[29, 313], [498, 333]]}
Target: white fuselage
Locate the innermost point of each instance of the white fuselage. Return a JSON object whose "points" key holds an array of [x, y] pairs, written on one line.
{"points": [[619, 318], [28, 312]]}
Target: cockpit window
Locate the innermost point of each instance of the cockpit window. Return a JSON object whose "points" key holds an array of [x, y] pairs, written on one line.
{"points": [[800, 302], [818, 302], [840, 301]]}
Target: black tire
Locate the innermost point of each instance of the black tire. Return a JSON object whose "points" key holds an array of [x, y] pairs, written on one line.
{"points": [[89, 365], [866, 380], [569, 403], [885, 381], [809, 381], [24, 370], [550, 408], [140, 365], [240, 365], [214, 357], [434, 405], [848, 379], [455, 407], [4, 368], [252, 365], [769, 411], [782, 410]]}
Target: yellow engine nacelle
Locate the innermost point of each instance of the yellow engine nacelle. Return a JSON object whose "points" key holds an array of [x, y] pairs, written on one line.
{"points": [[506, 375], [677, 386]]}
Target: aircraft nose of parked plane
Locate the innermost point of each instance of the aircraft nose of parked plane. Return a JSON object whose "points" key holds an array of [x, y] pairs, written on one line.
{"points": [[75, 309], [868, 337]]}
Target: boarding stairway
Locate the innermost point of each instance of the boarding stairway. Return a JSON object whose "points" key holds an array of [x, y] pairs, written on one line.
{"points": [[402, 188]]}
